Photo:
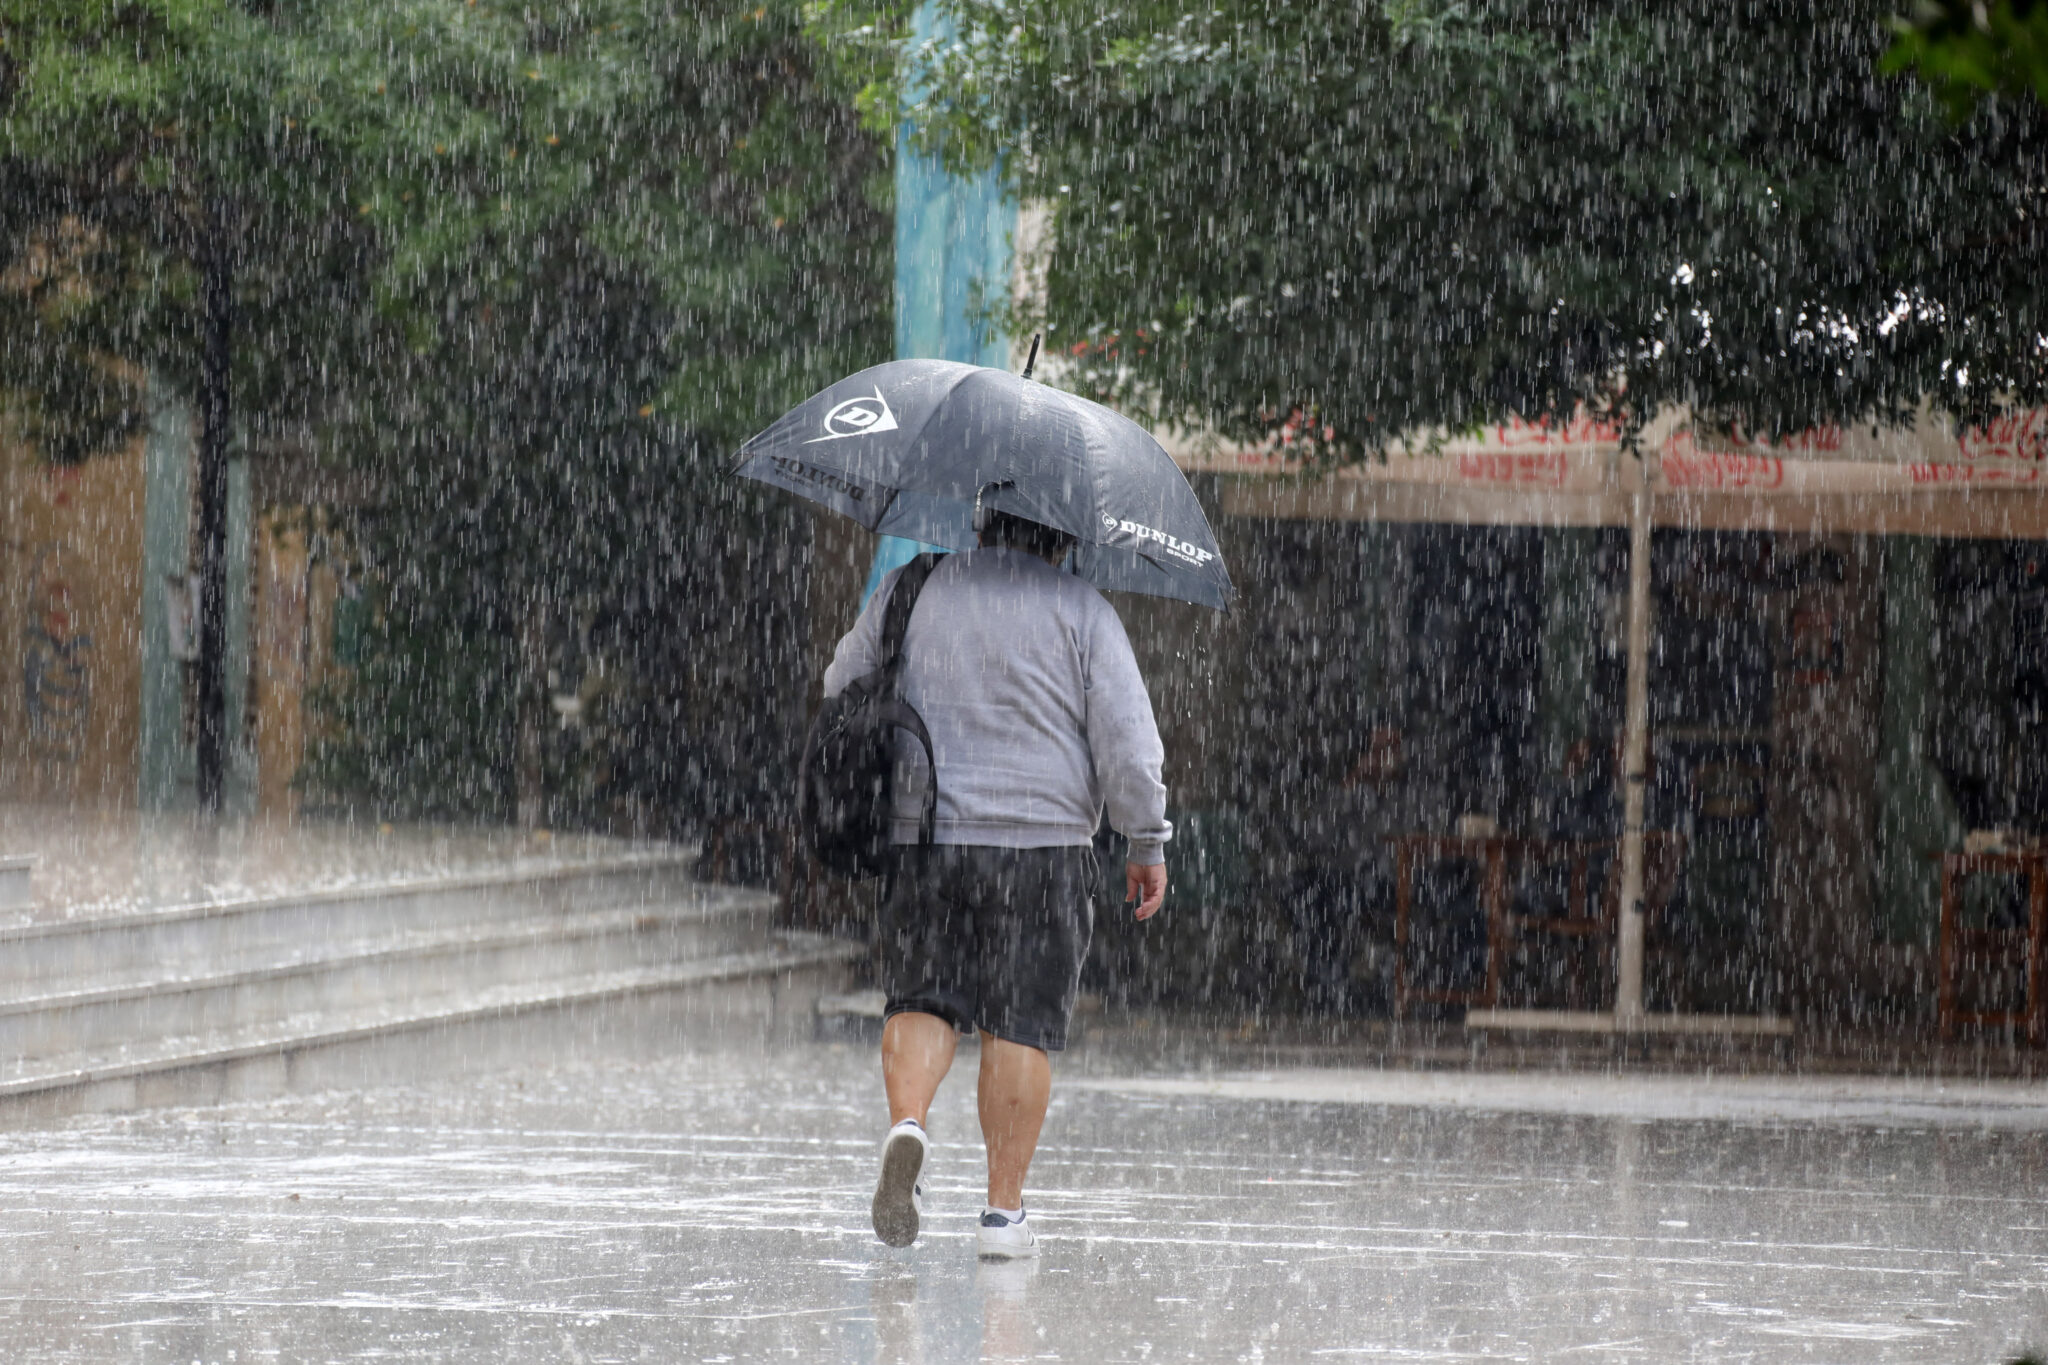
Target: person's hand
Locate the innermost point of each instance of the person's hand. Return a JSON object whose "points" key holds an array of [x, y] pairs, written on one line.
{"points": [[1146, 886]]}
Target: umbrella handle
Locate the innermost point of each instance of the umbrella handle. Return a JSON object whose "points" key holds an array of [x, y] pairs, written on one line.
{"points": [[1031, 361]]}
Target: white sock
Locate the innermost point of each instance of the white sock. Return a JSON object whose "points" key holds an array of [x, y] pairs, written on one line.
{"points": [[912, 1122], [1015, 1215]]}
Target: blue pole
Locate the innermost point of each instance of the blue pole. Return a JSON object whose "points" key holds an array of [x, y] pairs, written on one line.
{"points": [[952, 252]]}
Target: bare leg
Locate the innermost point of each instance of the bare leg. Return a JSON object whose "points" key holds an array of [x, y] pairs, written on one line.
{"points": [[917, 1051], [1016, 1085]]}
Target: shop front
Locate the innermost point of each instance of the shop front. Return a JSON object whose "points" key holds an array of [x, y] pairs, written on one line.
{"points": [[1842, 664]]}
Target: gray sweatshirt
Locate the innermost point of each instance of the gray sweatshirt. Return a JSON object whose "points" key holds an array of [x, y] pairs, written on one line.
{"points": [[1038, 716]]}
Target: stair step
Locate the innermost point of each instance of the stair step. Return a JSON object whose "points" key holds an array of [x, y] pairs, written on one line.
{"points": [[196, 939], [16, 887], [791, 952], [419, 966]]}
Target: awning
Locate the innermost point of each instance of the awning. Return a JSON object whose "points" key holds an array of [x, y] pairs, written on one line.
{"points": [[1927, 479]]}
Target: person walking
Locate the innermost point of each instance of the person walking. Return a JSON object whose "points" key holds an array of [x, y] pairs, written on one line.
{"points": [[1038, 719]]}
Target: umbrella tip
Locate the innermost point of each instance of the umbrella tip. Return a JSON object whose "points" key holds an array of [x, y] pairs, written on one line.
{"points": [[1031, 361]]}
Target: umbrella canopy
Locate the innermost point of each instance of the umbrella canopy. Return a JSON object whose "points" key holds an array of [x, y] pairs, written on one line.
{"points": [[906, 448]]}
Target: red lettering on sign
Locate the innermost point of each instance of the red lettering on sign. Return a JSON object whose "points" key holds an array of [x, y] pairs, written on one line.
{"points": [[2022, 437], [1697, 468], [1982, 473], [1811, 440], [1578, 430], [1544, 468]]}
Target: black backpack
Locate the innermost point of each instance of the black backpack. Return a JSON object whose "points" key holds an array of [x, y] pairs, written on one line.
{"points": [[846, 786]]}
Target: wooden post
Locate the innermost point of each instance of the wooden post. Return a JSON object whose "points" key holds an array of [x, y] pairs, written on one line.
{"points": [[1628, 985], [529, 794], [1946, 967], [1496, 894], [1404, 871], [2037, 928]]}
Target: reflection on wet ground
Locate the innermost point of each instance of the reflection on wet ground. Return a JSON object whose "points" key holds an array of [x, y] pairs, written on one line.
{"points": [[714, 1208]]}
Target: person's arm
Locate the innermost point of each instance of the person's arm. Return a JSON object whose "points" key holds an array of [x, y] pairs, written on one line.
{"points": [[1123, 741], [860, 649]]}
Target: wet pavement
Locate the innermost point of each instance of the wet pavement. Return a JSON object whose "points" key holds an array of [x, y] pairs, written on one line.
{"points": [[713, 1208], [95, 863]]}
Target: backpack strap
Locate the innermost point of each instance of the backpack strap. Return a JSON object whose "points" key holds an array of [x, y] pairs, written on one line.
{"points": [[895, 625], [902, 602]]}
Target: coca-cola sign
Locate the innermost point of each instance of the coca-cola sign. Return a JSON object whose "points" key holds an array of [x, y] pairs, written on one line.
{"points": [[2021, 437]]}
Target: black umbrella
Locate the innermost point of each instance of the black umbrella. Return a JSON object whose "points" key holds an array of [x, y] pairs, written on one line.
{"points": [[907, 448]]}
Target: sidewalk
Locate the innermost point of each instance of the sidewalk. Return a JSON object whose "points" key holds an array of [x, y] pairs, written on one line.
{"points": [[1170, 1040], [712, 1207]]}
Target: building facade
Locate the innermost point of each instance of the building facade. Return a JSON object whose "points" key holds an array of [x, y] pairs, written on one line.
{"points": [[96, 598]]}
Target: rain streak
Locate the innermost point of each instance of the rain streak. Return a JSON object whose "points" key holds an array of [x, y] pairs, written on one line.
{"points": [[921, 680]]}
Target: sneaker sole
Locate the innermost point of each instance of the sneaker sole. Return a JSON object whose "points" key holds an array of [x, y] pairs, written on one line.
{"points": [[894, 1211]]}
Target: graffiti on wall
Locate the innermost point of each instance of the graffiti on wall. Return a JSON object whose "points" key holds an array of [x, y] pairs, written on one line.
{"points": [[56, 662]]}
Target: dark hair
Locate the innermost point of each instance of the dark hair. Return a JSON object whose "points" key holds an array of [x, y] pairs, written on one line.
{"points": [[1016, 533]]}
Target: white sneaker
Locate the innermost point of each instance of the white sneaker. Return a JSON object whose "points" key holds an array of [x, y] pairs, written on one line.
{"points": [[1000, 1239], [899, 1192]]}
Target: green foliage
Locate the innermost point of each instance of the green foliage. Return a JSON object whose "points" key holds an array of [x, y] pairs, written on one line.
{"points": [[863, 40], [53, 313], [397, 168], [1347, 221], [1967, 49], [133, 137]]}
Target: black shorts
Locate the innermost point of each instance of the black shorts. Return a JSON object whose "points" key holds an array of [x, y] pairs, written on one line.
{"points": [[989, 938]]}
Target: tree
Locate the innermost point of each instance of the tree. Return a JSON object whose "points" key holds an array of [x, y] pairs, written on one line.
{"points": [[1351, 221], [1967, 49]]}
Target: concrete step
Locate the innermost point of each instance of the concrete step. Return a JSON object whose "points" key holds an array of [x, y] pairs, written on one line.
{"points": [[420, 967], [166, 1005], [16, 887], [648, 1005], [46, 958]]}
